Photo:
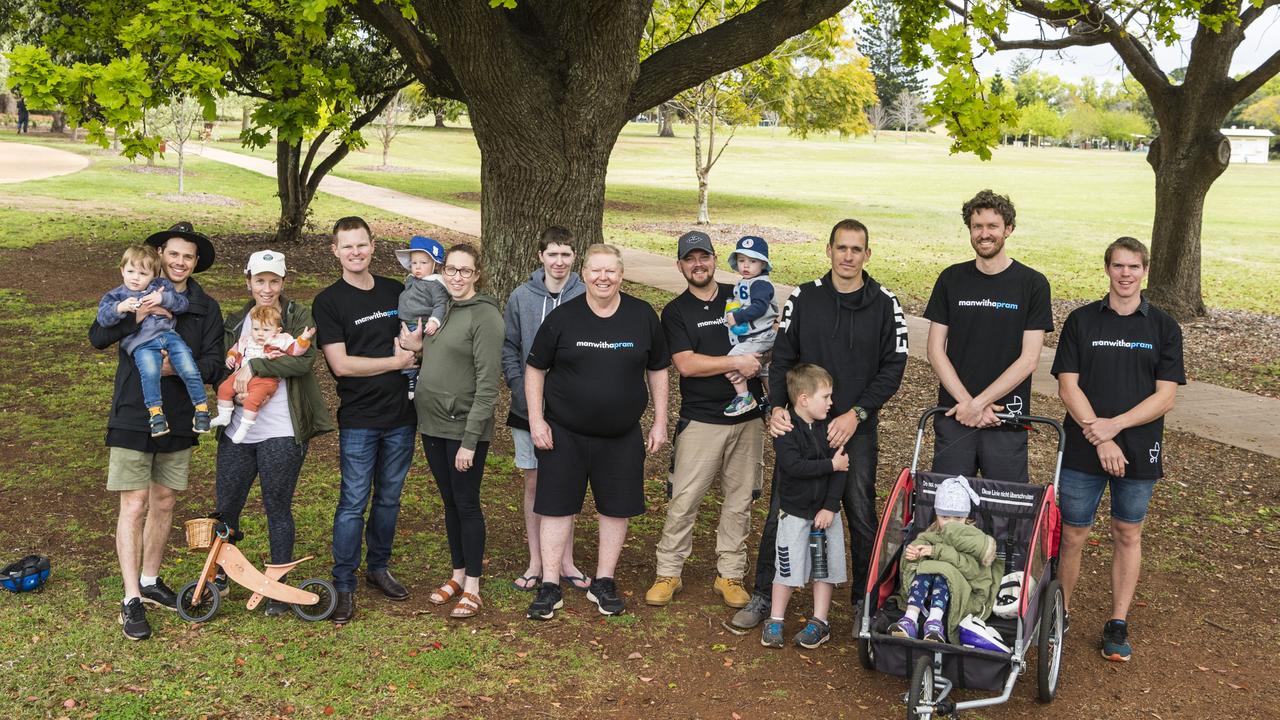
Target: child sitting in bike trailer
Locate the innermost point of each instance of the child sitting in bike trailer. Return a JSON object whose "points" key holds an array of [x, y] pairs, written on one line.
{"points": [[950, 570]]}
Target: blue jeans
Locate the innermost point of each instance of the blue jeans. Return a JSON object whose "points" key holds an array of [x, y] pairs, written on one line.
{"points": [[148, 359], [1080, 493], [374, 462]]}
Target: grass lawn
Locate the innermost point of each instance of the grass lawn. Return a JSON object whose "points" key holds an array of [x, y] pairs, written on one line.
{"points": [[1071, 203]]}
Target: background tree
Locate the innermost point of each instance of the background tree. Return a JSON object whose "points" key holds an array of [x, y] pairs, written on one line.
{"points": [[830, 99], [1265, 113], [178, 126], [1083, 122], [880, 41], [907, 112], [878, 119], [1188, 154], [549, 85], [390, 122], [317, 76], [440, 110]]}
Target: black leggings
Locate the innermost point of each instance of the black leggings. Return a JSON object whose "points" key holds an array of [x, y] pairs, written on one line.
{"points": [[276, 462], [460, 491]]}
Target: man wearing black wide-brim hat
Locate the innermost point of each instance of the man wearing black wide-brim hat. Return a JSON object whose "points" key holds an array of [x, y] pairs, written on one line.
{"points": [[147, 471]]}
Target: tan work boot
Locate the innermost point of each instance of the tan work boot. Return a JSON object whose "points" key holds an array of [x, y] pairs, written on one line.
{"points": [[734, 594], [664, 587]]}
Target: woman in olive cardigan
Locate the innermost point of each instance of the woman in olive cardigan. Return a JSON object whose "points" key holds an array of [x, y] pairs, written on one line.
{"points": [[274, 447], [456, 394]]}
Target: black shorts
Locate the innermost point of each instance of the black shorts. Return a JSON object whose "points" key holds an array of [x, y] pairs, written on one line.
{"points": [[998, 453], [613, 465]]}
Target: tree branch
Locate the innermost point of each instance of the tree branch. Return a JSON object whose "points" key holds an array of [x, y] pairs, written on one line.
{"points": [[733, 43], [418, 50], [332, 159], [1241, 89], [1253, 12]]}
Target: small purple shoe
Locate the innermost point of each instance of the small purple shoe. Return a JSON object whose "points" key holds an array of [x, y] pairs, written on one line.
{"points": [[906, 627], [935, 631]]}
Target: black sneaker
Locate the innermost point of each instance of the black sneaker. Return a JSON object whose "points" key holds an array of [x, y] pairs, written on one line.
{"points": [[275, 608], [548, 601], [221, 584], [1115, 641], [134, 620], [160, 595], [200, 423], [604, 593]]}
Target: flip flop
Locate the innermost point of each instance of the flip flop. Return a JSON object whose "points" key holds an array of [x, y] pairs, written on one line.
{"points": [[445, 592], [533, 580], [573, 581]]}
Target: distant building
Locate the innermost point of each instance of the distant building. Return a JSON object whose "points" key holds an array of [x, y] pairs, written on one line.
{"points": [[1248, 145]]}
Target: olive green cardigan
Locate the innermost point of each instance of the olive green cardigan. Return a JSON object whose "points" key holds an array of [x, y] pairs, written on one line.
{"points": [[307, 411]]}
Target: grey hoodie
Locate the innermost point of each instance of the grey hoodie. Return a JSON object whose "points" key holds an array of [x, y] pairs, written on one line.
{"points": [[527, 307]]}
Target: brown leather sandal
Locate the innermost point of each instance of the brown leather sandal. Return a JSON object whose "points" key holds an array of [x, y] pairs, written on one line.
{"points": [[445, 592], [468, 607]]}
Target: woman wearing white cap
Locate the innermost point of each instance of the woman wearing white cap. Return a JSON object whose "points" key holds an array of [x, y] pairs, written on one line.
{"points": [[273, 448]]}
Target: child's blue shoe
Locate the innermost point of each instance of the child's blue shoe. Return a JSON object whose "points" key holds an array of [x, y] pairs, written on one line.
{"points": [[159, 426], [815, 633], [741, 405], [771, 636], [201, 421], [907, 628], [934, 631]]}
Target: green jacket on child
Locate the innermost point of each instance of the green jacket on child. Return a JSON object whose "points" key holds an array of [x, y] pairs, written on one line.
{"points": [[966, 557]]}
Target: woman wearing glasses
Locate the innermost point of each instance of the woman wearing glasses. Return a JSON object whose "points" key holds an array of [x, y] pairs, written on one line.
{"points": [[456, 394]]}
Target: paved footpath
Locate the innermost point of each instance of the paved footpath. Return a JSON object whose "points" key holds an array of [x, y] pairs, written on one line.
{"points": [[1233, 417], [20, 162]]}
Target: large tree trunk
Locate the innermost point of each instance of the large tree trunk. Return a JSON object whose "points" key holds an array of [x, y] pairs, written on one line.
{"points": [[1186, 164], [439, 118], [666, 120]]}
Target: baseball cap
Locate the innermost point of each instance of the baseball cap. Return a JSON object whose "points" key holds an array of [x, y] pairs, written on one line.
{"points": [[694, 240], [265, 261]]}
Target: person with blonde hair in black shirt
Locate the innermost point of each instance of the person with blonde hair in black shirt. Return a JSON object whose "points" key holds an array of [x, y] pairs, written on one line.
{"points": [[594, 364]]}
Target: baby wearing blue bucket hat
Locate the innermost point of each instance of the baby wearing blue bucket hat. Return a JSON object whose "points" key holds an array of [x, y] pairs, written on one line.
{"points": [[750, 314], [424, 298]]}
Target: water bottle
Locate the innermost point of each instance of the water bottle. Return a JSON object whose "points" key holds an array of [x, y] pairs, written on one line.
{"points": [[818, 553]]}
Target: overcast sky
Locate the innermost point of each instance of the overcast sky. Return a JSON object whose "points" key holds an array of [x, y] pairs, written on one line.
{"points": [[1101, 62]]}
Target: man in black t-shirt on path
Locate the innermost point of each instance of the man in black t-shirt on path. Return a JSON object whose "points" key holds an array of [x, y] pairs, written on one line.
{"points": [[1119, 365], [594, 364], [988, 317], [357, 328], [852, 327], [708, 443]]}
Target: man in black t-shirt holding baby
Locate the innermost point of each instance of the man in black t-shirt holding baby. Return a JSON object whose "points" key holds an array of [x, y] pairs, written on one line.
{"points": [[988, 317]]}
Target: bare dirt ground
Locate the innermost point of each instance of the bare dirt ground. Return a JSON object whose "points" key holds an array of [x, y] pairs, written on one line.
{"points": [[1203, 637]]}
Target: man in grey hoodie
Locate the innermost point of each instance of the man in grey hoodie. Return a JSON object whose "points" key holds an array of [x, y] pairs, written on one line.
{"points": [[547, 287]]}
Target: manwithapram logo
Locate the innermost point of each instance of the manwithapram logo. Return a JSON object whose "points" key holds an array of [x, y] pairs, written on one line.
{"points": [[604, 345], [1014, 405], [377, 316], [1154, 452], [1125, 344], [987, 303]]}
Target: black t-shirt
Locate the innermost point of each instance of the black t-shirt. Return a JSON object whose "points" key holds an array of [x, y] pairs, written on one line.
{"points": [[985, 317], [1119, 359], [368, 322], [698, 325], [596, 367]]}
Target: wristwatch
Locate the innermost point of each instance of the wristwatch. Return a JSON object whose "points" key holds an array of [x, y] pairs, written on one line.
{"points": [[860, 412]]}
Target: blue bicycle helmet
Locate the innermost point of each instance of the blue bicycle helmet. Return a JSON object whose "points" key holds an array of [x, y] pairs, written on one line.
{"points": [[29, 573]]}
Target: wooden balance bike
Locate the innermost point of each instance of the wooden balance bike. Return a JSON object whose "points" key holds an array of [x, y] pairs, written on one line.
{"points": [[313, 600]]}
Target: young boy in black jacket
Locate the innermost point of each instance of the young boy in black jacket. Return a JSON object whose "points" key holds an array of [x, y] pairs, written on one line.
{"points": [[810, 482]]}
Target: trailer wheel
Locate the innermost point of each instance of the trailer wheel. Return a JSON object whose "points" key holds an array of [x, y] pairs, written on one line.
{"points": [[866, 654], [1049, 651], [921, 692]]}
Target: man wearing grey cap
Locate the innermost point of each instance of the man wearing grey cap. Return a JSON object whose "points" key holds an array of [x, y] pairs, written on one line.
{"points": [[708, 444]]}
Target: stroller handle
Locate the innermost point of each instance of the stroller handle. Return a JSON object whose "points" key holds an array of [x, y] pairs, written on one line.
{"points": [[1007, 419]]}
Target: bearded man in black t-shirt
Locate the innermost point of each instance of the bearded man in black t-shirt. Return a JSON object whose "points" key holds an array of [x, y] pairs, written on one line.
{"points": [[357, 324], [988, 317], [1119, 365]]}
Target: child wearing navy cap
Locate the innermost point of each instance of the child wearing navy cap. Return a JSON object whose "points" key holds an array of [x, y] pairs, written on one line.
{"points": [[424, 294], [750, 314]]}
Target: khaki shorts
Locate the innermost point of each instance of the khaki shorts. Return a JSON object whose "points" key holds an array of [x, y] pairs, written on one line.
{"points": [[133, 470]]}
